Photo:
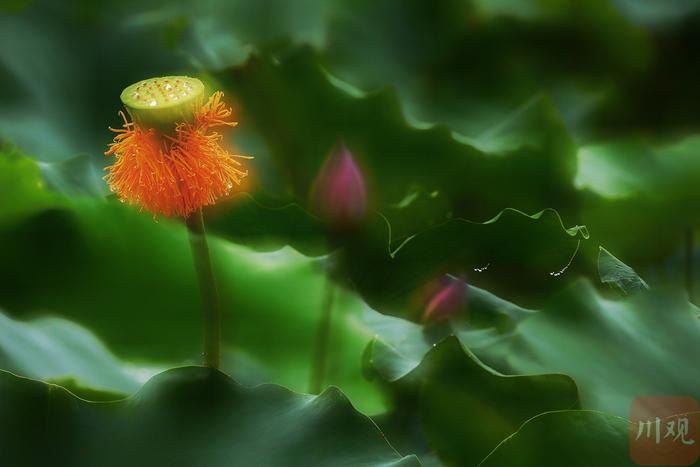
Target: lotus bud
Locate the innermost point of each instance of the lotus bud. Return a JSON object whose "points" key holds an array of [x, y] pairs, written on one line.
{"points": [[448, 300], [339, 195]]}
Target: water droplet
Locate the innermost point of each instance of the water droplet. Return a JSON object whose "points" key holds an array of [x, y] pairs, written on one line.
{"points": [[168, 86], [566, 266], [152, 103]]}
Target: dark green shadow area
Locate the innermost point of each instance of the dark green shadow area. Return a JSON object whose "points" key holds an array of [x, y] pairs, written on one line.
{"points": [[187, 416]]}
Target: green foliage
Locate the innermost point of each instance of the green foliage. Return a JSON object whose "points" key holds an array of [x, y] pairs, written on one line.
{"points": [[613, 350], [465, 407], [653, 185], [617, 274], [546, 439], [542, 151], [300, 113], [59, 350], [185, 416], [574, 334], [385, 276], [73, 254], [20, 180]]}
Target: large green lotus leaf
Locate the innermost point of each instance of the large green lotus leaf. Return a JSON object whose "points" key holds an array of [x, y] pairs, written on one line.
{"points": [[300, 113], [576, 438], [615, 350], [474, 63], [628, 169], [397, 360], [21, 184], [655, 188], [58, 350], [130, 280], [611, 66], [512, 254], [188, 416], [465, 408]]}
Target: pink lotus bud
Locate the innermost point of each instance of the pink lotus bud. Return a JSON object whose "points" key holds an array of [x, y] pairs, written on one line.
{"points": [[339, 195], [449, 299]]}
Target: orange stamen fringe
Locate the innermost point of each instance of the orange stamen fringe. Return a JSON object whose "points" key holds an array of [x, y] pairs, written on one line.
{"points": [[175, 174]]}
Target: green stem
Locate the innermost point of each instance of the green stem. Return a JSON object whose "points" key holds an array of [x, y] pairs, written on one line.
{"points": [[689, 257], [207, 287], [318, 370]]}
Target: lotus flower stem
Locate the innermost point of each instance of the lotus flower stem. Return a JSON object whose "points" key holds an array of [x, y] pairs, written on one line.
{"points": [[318, 370], [169, 160], [339, 198], [207, 287]]}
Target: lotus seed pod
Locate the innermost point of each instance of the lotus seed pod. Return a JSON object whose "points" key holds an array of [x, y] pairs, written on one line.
{"points": [[161, 102], [169, 159]]}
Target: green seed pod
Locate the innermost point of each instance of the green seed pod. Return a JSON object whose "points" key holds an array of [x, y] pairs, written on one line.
{"points": [[160, 103]]}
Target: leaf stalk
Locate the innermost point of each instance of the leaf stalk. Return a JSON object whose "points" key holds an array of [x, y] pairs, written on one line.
{"points": [[207, 287], [318, 369]]}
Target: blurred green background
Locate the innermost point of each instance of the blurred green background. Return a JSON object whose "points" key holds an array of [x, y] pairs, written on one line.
{"points": [[545, 151]]}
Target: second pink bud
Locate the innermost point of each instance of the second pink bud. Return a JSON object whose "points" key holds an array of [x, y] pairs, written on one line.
{"points": [[339, 195]]}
